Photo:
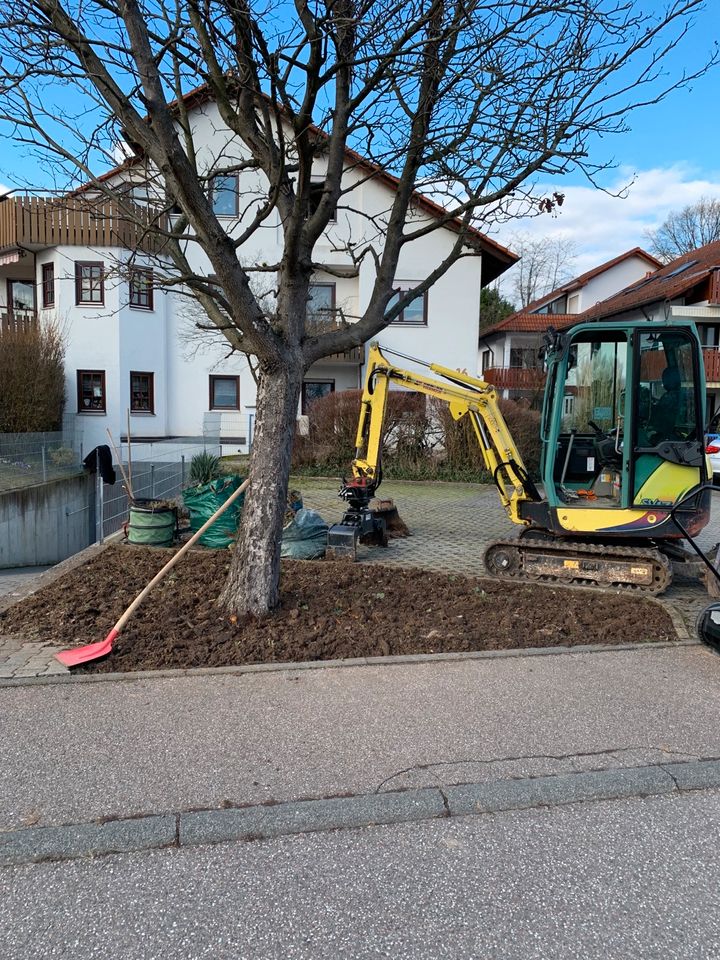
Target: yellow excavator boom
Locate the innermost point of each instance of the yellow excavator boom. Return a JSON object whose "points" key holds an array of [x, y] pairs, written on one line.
{"points": [[466, 396]]}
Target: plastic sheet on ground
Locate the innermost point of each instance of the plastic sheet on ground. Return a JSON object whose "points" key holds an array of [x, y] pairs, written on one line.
{"points": [[305, 537]]}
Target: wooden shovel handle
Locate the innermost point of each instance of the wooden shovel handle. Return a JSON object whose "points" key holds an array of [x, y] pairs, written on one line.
{"points": [[174, 559]]}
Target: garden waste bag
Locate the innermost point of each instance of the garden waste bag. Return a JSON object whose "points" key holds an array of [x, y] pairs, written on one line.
{"points": [[202, 502], [305, 537]]}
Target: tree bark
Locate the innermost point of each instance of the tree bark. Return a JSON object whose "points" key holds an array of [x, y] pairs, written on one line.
{"points": [[252, 585]]}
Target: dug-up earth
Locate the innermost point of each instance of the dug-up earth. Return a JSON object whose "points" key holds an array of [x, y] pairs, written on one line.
{"points": [[329, 610]]}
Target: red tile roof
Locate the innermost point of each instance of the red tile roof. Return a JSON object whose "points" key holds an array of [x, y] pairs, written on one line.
{"points": [[584, 278], [524, 322], [691, 276]]}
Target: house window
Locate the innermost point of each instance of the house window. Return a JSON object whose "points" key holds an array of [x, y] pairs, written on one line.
{"points": [[91, 391], [415, 312], [224, 393], [141, 288], [316, 192], [224, 195], [20, 297], [525, 357], [48, 284], [142, 392], [486, 360], [313, 390], [89, 282], [321, 304]]}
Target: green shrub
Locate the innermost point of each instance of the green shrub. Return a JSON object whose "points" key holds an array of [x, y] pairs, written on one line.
{"points": [[32, 379], [204, 468]]}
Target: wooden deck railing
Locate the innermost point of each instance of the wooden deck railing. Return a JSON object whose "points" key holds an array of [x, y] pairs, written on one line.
{"points": [[11, 322], [324, 324], [711, 358], [75, 221], [514, 378]]}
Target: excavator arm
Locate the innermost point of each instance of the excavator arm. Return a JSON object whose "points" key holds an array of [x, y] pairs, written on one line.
{"points": [[466, 396]]}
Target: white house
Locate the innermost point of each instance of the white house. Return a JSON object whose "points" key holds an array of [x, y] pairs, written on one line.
{"points": [[131, 345], [509, 349]]}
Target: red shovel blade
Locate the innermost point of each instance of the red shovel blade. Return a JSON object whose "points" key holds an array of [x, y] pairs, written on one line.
{"points": [[92, 651]]}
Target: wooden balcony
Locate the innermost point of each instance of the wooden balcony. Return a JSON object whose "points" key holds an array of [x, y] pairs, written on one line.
{"points": [[17, 321], [355, 356], [37, 222], [323, 324], [711, 359], [515, 378]]}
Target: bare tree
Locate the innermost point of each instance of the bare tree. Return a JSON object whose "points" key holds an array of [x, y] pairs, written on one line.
{"points": [[545, 263], [687, 229], [463, 100]]}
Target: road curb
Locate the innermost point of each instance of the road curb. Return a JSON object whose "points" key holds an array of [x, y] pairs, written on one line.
{"points": [[270, 820], [298, 666]]}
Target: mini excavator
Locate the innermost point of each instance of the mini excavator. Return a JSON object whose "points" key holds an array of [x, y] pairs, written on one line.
{"points": [[623, 475]]}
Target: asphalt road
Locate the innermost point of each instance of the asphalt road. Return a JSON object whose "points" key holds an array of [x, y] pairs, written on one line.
{"points": [[625, 879]]}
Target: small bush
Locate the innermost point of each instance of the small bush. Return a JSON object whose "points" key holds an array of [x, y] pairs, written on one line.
{"points": [[204, 468], [32, 379]]}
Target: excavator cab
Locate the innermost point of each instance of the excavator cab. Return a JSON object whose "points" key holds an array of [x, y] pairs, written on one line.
{"points": [[622, 430]]}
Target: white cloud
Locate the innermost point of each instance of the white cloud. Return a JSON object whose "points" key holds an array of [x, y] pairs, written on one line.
{"points": [[602, 226]]}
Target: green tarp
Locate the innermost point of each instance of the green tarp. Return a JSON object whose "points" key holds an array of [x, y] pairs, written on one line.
{"points": [[202, 502]]}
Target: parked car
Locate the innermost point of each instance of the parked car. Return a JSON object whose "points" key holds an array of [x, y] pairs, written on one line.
{"points": [[712, 446]]}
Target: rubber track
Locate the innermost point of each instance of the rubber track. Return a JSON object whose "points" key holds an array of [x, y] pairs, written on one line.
{"points": [[662, 569]]}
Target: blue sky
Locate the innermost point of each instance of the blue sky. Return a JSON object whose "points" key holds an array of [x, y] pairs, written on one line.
{"points": [[669, 158]]}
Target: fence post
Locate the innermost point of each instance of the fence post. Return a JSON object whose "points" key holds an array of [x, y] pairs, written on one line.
{"points": [[182, 471], [152, 481], [98, 504], [44, 464]]}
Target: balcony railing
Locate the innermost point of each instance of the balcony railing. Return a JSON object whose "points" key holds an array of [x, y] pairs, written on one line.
{"points": [[17, 321], [38, 222], [711, 358], [323, 324], [515, 378]]}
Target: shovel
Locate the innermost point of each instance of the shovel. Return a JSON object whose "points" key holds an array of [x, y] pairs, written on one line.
{"points": [[93, 651]]}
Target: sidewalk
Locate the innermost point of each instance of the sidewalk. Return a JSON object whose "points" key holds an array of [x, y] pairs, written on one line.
{"points": [[72, 754]]}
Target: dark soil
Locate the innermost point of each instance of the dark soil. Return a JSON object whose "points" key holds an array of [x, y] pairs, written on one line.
{"points": [[329, 610]]}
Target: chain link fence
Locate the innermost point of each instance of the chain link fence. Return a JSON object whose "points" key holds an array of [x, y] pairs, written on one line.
{"points": [[30, 458], [157, 471]]}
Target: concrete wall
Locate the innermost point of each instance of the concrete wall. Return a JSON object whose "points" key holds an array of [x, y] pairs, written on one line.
{"points": [[47, 523]]}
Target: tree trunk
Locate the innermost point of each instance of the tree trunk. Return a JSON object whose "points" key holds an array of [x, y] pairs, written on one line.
{"points": [[252, 585]]}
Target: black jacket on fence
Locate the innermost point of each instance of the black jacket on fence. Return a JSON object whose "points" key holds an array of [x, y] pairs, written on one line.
{"points": [[100, 459]]}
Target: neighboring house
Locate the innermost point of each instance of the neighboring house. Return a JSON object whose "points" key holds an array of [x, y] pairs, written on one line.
{"points": [[508, 352], [686, 289], [129, 341]]}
